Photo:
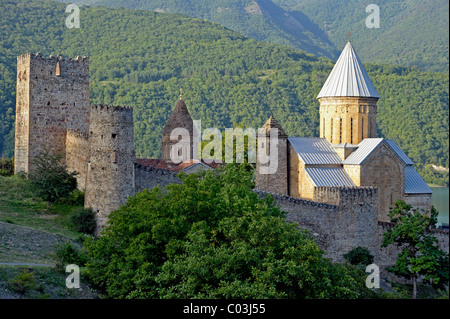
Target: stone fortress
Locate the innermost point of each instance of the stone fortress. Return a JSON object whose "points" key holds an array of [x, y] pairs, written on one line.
{"points": [[339, 185]]}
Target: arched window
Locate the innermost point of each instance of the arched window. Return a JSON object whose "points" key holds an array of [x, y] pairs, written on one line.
{"points": [[340, 130]]}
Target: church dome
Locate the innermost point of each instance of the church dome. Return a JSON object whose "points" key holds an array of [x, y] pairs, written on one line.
{"points": [[348, 78]]}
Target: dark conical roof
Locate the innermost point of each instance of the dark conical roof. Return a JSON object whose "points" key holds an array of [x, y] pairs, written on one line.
{"points": [[180, 117], [273, 123]]}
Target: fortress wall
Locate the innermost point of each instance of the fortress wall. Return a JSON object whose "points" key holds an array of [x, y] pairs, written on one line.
{"points": [[337, 228], [149, 177], [420, 201], [77, 155]]}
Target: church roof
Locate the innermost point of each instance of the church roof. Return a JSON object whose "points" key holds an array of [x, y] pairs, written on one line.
{"points": [[368, 145], [399, 152], [273, 123], [365, 148], [329, 176], [180, 118], [348, 77], [414, 183], [315, 150]]}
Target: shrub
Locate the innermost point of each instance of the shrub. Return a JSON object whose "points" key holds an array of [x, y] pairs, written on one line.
{"points": [[75, 198], [359, 255], [6, 166], [67, 254], [83, 221], [23, 282]]}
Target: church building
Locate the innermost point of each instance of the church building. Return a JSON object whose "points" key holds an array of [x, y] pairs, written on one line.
{"points": [[348, 152]]}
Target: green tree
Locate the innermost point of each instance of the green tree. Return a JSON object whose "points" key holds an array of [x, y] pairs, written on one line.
{"points": [[210, 237], [51, 177], [420, 254]]}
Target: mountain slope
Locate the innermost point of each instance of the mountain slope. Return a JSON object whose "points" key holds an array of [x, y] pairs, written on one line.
{"points": [[142, 59], [412, 32], [260, 20]]}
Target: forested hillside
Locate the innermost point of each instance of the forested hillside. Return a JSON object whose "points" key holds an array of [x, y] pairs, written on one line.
{"points": [[411, 32], [143, 58], [261, 20]]}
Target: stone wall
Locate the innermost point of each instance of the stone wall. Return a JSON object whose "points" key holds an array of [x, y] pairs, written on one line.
{"points": [[337, 228], [149, 177], [77, 155], [383, 169], [420, 201], [52, 96]]}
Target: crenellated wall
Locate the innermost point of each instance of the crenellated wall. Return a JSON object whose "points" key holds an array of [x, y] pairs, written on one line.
{"points": [[340, 226]]}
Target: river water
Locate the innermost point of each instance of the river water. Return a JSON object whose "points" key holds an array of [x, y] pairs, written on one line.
{"points": [[439, 200]]}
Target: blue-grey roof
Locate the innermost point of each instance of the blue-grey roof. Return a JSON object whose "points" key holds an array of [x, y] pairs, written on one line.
{"points": [[315, 150], [368, 145], [329, 176], [365, 148], [348, 77], [399, 152], [414, 183]]}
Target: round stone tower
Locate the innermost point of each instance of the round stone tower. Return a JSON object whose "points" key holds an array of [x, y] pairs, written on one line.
{"points": [[110, 173]]}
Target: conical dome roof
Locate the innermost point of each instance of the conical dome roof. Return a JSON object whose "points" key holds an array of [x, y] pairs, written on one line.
{"points": [[273, 123], [180, 118], [348, 77]]}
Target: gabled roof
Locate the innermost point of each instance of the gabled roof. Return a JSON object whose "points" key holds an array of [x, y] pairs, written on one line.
{"points": [[414, 183], [348, 77], [405, 159], [314, 150], [368, 145], [365, 148], [329, 176]]}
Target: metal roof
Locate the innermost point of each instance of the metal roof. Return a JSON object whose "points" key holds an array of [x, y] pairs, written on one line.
{"points": [[348, 77], [414, 183], [365, 148], [399, 152], [314, 150], [329, 176]]}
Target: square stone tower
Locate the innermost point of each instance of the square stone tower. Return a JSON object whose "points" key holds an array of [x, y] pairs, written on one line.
{"points": [[52, 97]]}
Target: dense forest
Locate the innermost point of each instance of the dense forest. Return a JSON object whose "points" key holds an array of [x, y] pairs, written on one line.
{"points": [[411, 32], [142, 59]]}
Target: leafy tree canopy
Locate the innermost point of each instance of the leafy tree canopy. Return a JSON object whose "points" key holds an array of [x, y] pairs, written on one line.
{"points": [[419, 252], [211, 237]]}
